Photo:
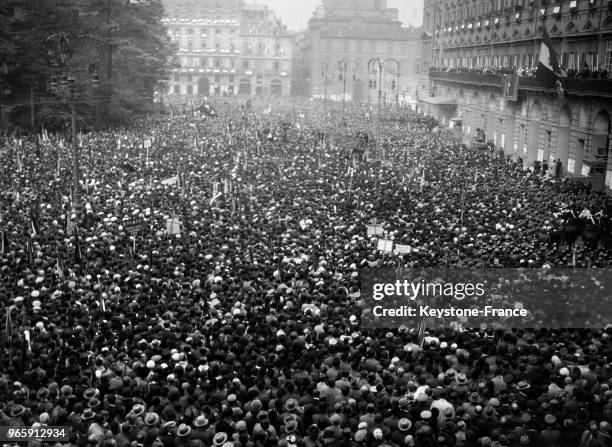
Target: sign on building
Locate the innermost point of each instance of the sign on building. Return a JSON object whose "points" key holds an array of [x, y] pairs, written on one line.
{"points": [[586, 170]]}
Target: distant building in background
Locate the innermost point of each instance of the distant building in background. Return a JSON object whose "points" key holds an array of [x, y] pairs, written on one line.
{"points": [[355, 31], [226, 48], [267, 48], [471, 52]]}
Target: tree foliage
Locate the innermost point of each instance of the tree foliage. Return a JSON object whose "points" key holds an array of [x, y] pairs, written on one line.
{"points": [[120, 52]]}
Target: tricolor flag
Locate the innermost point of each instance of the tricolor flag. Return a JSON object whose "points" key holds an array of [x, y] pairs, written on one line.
{"points": [[549, 71], [511, 84], [8, 328], [58, 269], [30, 251]]}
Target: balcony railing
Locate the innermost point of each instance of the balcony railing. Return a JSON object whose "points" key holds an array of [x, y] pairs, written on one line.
{"points": [[490, 80], [573, 86]]}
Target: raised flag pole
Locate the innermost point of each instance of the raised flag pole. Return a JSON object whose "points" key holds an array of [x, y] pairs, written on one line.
{"points": [[462, 204]]}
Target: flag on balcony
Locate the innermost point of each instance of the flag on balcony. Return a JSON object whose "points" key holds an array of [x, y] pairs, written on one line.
{"points": [[511, 84], [549, 71]]}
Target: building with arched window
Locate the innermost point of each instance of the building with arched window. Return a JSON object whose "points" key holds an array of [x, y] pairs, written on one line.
{"points": [[342, 37], [222, 44]]}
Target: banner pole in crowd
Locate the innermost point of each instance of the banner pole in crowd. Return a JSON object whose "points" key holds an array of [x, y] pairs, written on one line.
{"points": [[462, 204]]}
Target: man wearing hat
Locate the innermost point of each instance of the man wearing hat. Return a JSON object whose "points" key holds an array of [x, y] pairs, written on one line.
{"points": [[550, 435], [183, 433], [202, 430], [404, 428]]}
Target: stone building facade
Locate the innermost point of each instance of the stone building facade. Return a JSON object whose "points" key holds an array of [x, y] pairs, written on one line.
{"points": [[266, 53], [343, 36], [226, 48], [467, 45]]}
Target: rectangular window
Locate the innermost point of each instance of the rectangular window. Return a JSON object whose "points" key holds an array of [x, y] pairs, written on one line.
{"points": [[608, 60], [203, 62], [177, 89], [276, 66], [190, 89], [231, 79], [217, 78], [245, 65], [203, 44], [189, 31], [190, 45], [218, 62]]}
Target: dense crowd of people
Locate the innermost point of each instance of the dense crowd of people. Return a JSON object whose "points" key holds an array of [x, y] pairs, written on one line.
{"points": [[237, 323]]}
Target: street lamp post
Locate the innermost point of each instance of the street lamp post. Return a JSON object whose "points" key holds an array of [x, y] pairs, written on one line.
{"points": [[59, 50], [324, 75], [376, 65], [343, 66]]}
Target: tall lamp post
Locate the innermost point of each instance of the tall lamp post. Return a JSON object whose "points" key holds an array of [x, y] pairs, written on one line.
{"points": [[376, 66], [343, 66], [59, 50], [325, 76]]}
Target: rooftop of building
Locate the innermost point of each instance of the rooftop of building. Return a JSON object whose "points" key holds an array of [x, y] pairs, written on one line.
{"points": [[367, 32]]}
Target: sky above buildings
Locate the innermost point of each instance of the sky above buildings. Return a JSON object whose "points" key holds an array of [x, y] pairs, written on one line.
{"points": [[296, 13]]}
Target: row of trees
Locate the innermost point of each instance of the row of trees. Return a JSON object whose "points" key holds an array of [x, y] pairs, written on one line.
{"points": [[117, 52]]}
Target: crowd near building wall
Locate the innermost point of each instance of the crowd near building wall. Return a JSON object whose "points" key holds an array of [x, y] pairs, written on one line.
{"points": [[470, 48]]}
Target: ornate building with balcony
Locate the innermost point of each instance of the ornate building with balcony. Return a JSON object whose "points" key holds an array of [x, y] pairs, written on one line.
{"points": [[342, 36], [225, 48], [472, 47]]}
